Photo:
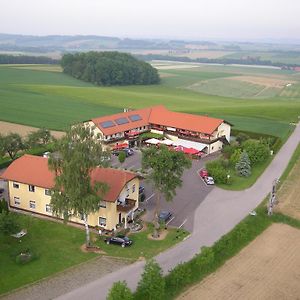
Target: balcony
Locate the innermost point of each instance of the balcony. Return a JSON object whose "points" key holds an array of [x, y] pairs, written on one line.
{"points": [[127, 206], [192, 137]]}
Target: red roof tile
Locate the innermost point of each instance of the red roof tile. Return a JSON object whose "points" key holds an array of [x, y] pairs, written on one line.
{"points": [[34, 170], [161, 116], [203, 124]]}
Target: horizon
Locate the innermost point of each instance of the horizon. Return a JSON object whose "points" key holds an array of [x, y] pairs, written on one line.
{"points": [[232, 20]]}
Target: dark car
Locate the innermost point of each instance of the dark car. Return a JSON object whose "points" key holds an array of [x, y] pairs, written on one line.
{"points": [[164, 216], [127, 151], [141, 189], [121, 240]]}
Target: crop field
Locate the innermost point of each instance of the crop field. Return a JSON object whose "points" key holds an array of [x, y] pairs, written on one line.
{"points": [[283, 57], [40, 96], [269, 268], [233, 88], [288, 194]]}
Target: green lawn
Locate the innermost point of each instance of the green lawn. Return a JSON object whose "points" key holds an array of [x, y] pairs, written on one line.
{"points": [[55, 100], [56, 245], [240, 183], [142, 246]]}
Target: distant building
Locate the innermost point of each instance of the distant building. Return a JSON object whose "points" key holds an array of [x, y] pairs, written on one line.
{"points": [[193, 131], [30, 183]]}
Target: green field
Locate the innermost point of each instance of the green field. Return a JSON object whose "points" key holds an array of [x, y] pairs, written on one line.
{"points": [[40, 97], [283, 57]]}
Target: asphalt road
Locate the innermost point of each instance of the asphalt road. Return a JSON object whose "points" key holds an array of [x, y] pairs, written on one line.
{"points": [[217, 214]]}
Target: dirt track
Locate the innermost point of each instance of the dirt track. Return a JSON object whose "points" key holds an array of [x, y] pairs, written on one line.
{"points": [[23, 130], [269, 268]]}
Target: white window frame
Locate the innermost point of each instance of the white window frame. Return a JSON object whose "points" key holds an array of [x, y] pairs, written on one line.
{"points": [[103, 223], [47, 192], [17, 201], [133, 188], [31, 188], [16, 185], [102, 204], [48, 208], [32, 204]]}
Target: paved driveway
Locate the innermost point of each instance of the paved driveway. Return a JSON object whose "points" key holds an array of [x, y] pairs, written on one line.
{"points": [[187, 199], [217, 215]]}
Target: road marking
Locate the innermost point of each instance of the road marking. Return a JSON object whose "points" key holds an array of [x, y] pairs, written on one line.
{"points": [[150, 197], [182, 223], [170, 220]]}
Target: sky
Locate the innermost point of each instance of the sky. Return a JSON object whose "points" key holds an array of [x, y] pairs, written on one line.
{"points": [[189, 19]]}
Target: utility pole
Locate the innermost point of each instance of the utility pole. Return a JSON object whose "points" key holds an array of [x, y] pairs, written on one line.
{"points": [[272, 199]]}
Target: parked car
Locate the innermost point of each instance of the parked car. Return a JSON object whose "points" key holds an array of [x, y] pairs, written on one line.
{"points": [[164, 216], [142, 194], [206, 178], [203, 173], [209, 180], [121, 240], [128, 152], [141, 189]]}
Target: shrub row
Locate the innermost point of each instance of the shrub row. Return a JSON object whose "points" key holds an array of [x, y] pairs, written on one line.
{"points": [[211, 258]]}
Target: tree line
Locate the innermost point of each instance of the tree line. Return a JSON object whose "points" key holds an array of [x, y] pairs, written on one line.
{"points": [[24, 59], [109, 68], [222, 60]]}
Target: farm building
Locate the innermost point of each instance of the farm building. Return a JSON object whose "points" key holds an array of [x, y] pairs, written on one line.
{"points": [[30, 183], [191, 131]]}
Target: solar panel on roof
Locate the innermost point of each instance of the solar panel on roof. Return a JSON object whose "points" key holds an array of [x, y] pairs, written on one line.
{"points": [[107, 124], [134, 118], [122, 121]]}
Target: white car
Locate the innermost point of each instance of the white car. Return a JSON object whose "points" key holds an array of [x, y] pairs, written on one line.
{"points": [[209, 180]]}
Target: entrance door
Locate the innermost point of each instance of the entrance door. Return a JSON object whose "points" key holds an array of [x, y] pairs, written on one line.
{"points": [[120, 218]]}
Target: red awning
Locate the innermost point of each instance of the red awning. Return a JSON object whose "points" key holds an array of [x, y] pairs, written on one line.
{"points": [[132, 133], [185, 150], [120, 146]]}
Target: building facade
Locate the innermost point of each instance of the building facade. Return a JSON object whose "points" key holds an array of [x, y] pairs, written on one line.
{"points": [[202, 132], [30, 183]]}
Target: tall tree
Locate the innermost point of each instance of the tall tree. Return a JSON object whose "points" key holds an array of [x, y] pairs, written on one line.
{"points": [[11, 144], [120, 291], [74, 194], [243, 166], [152, 284], [39, 137], [9, 223], [165, 169]]}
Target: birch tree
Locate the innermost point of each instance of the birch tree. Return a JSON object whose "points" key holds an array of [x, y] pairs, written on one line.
{"points": [[74, 193]]}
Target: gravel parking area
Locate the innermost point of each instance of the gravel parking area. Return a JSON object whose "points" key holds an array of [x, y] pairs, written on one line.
{"points": [[68, 280]]}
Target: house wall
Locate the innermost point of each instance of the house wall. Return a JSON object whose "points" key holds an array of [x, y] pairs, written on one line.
{"points": [[110, 213], [223, 130]]}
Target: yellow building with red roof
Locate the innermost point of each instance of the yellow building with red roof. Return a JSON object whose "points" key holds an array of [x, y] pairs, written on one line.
{"points": [[30, 182]]}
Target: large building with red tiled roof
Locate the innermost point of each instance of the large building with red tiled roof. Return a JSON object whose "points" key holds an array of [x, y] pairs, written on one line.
{"points": [[30, 182], [202, 132]]}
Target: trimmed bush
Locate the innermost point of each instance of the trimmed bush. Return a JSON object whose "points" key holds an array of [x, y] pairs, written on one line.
{"points": [[257, 151], [152, 284], [122, 156], [217, 170], [120, 291]]}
